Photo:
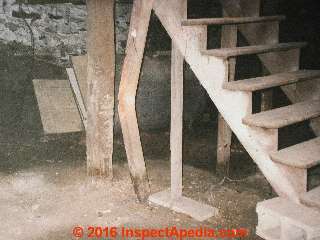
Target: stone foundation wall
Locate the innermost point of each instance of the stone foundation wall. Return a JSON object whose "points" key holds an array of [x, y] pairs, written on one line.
{"points": [[58, 30]]}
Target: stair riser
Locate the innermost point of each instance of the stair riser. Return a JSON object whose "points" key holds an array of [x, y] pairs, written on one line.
{"points": [[265, 33], [241, 8], [202, 35], [297, 176], [283, 61]]}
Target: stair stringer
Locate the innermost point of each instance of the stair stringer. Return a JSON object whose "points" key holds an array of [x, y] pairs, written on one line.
{"points": [[233, 106], [265, 33]]}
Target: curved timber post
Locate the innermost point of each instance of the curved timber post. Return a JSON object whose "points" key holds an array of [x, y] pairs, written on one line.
{"points": [[139, 24]]}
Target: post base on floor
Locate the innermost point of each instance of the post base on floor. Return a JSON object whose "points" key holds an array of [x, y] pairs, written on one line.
{"points": [[194, 209]]}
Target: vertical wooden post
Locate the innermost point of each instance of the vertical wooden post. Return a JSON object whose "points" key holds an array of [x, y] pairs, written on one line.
{"points": [[101, 72], [176, 134], [228, 39], [139, 24]]}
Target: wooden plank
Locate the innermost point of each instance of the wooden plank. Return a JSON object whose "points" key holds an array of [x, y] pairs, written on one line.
{"points": [[139, 24], [284, 116], [100, 99], [78, 96], [230, 20], [257, 49], [176, 134], [223, 147], [228, 39], [80, 66], [173, 198], [194, 209], [58, 110], [271, 81], [304, 155]]}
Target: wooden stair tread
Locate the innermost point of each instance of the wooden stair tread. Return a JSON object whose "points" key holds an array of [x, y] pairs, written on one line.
{"points": [[304, 155], [311, 198], [284, 116], [275, 80], [257, 49], [230, 20]]}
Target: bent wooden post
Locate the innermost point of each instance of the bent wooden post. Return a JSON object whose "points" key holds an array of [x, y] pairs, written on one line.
{"points": [[101, 72], [139, 24]]}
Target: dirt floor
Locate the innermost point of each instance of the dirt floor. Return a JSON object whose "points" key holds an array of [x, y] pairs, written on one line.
{"points": [[45, 192]]}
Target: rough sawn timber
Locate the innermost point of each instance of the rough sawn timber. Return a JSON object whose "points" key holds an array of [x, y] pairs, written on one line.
{"points": [[228, 39], [139, 24], [100, 95]]}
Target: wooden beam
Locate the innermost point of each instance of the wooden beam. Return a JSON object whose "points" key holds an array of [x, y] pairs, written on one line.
{"points": [[78, 96], [101, 72], [228, 39], [176, 135], [173, 198], [139, 24]]}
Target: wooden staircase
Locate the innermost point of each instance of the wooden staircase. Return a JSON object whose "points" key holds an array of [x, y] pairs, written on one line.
{"points": [[286, 169], [257, 132]]}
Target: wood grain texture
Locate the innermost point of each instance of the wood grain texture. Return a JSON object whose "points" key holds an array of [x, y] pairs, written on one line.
{"points": [[80, 67], [58, 109], [284, 116], [229, 38], [176, 133], [257, 49], [271, 81], [127, 95], [78, 96], [100, 95], [304, 155]]}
